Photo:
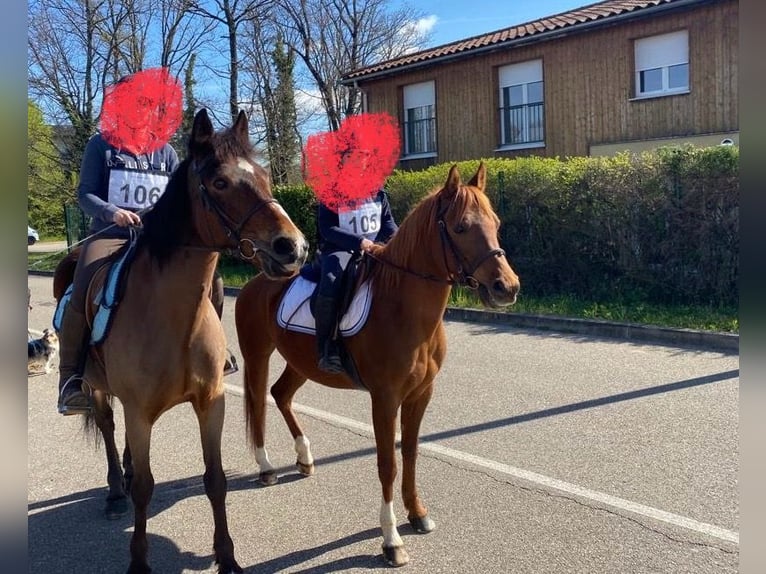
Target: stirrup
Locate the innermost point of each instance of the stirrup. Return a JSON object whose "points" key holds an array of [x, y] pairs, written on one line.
{"points": [[230, 366], [73, 400]]}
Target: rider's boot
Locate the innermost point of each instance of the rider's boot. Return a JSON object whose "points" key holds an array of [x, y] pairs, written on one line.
{"points": [[73, 398], [326, 311]]}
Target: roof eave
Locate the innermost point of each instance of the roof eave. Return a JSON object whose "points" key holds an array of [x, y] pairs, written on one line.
{"points": [[539, 37]]}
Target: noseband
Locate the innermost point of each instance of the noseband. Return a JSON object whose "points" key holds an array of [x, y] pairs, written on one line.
{"points": [[464, 278], [233, 229]]}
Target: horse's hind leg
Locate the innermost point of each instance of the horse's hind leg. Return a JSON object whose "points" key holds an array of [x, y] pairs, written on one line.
{"points": [[210, 415], [139, 431], [413, 409], [283, 392], [117, 499]]}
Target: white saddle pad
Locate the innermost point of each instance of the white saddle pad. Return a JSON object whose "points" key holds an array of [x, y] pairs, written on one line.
{"points": [[294, 313]]}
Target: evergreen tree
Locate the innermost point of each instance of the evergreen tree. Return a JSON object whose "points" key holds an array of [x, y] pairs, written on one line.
{"points": [[281, 117], [48, 187]]}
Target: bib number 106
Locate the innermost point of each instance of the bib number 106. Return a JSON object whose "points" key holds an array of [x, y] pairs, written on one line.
{"points": [[140, 194]]}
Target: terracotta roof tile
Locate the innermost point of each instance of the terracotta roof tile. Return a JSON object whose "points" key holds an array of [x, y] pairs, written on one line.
{"points": [[589, 13]]}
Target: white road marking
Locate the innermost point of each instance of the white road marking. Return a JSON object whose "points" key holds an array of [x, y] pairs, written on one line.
{"points": [[542, 480]]}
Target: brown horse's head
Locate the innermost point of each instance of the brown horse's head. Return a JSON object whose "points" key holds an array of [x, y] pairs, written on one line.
{"points": [[232, 204], [469, 234]]}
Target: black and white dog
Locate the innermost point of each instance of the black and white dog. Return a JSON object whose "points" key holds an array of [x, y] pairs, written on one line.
{"points": [[41, 352]]}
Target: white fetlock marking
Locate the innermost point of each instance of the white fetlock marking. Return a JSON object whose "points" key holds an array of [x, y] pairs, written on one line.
{"points": [[391, 538], [303, 449], [262, 458]]}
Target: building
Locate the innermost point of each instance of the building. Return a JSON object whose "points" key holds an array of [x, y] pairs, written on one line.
{"points": [[610, 76]]}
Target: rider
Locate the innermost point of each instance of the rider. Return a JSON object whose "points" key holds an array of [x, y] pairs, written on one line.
{"points": [[106, 171], [341, 235]]}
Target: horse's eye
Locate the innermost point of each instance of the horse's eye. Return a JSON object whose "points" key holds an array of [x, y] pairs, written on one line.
{"points": [[460, 227], [219, 183]]}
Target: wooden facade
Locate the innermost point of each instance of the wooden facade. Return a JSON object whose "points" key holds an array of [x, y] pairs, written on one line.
{"points": [[589, 88]]}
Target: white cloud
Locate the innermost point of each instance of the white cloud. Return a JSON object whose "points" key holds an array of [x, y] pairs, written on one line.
{"points": [[425, 25]]}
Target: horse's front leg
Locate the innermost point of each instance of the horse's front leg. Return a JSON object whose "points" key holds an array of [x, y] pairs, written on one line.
{"points": [[413, 409], [138, 432], [117, 499], [210, 414], [384, 422]]}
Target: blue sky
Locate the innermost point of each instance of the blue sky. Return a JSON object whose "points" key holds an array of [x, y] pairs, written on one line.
{"points": [[451, 20]]}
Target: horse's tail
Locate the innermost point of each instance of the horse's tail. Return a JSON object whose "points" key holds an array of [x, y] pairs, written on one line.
{"points": [[90, 425], [64, 273]]}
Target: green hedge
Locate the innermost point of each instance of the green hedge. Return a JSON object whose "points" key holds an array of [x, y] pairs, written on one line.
{"points": [[661, 226]]}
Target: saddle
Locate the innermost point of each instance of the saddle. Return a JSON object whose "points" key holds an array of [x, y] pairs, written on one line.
{"points": [[296, 309], [114, 272]]}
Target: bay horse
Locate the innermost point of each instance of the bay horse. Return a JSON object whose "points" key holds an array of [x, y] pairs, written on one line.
{"points": [[450, 237], [166, 344]]}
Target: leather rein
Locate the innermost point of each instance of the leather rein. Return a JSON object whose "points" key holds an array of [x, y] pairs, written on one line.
{"points": [[464, 274]]}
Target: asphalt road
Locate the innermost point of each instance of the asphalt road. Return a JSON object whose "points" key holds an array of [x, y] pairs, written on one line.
{"points": [[540, 453]]}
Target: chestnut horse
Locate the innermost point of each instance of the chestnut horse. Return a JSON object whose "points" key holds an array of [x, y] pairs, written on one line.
{"points": [[450, 237], [166, 344]]}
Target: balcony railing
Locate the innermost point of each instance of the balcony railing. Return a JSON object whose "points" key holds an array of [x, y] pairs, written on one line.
{"points": [[523, 124], [420, 136]]}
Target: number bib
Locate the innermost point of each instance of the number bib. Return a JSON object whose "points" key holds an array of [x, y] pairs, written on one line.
{"points": [[364, 220], [135, 188]]}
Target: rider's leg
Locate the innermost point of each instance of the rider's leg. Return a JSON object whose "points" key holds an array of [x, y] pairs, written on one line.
{"points": [[216, 297], [74, 333], [326, 310]]}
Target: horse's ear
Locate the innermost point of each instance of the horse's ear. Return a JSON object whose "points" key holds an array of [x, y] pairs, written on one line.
{"points": [[240, 127], [480, 178], [453, 181], [202, 131]]}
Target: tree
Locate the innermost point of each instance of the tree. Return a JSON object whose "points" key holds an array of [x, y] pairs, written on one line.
{"points": [[333, 37], [47, 185], [282, 134], [231, 14]]}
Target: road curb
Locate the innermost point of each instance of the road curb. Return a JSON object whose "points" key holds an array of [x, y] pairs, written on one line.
{"points": [[683, 338]]}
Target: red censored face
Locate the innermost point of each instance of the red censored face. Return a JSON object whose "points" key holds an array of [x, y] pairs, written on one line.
{"points": [[347, 167], [141, 113]]}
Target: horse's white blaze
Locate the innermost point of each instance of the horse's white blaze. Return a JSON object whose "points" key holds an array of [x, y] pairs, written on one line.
{"points": [[303, 449], [281, 210], [391, 538], [245, 165], [262, 458]]}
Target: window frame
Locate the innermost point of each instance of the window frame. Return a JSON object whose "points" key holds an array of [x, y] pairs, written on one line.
{"points": [[530, 113], [660, 52], [419, 134]]}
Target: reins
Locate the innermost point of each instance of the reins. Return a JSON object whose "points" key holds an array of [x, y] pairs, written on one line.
{"points": [[460, 277]]}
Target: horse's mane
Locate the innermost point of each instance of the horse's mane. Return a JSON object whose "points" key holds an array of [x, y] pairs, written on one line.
{"points": [[168, 224], [408, 243]]}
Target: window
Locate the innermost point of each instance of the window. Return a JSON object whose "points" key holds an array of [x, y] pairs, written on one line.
{"points": [[662, 64], [419, 119], [522, 110]]}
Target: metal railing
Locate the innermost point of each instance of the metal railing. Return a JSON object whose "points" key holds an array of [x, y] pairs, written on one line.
{"points": [[420, 136], [523, 124]]}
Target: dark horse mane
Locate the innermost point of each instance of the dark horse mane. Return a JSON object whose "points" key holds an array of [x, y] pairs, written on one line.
{"points": [[167, 226]]}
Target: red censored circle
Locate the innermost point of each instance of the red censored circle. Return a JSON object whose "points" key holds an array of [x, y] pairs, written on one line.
{"points": [[143, 111], [347, 167]]}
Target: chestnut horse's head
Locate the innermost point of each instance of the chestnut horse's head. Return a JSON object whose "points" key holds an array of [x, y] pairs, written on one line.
{"points": [[469, 231], [234, 206]]}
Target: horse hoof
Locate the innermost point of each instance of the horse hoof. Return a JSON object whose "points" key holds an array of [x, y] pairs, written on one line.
{"points": [[305, 469], [268, 478], [422, 524], [116, 508], [395, 556], [229, 567]]}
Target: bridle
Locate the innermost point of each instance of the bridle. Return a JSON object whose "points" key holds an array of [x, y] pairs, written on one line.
{"points": [[462, 276], [232, 228]]}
